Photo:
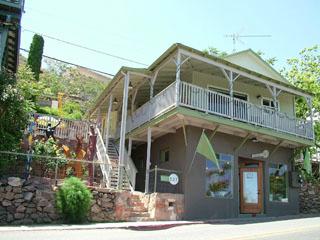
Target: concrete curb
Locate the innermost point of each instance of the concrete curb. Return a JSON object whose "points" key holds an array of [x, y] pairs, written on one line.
{"points": [[123, 225], [155, 225]]}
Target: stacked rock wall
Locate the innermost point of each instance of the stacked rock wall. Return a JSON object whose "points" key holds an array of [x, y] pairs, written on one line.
{"points": [[309, 198], [26, 202], [33, 201]]}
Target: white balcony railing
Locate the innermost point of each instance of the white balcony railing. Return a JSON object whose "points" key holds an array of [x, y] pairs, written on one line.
{"points": [[211, 102]]}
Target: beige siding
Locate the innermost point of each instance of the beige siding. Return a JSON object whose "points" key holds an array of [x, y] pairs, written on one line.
{"points": [[205, 80], [250, 61]]}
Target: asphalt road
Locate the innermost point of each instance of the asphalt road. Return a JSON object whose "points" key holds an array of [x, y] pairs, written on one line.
{"points": [[304, 228]]}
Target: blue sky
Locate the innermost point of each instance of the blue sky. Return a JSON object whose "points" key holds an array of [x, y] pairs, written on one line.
{"points": [[142, 30]]}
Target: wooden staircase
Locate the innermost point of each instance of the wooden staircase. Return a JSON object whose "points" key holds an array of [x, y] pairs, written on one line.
{"points": [[114, 158], [109, 165]]}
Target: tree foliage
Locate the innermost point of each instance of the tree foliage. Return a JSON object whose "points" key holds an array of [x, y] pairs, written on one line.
{"points": [[215, 52], [13, 113], [270, 60], [35, 55], [304, 72], [49, 148], [79, 90]]}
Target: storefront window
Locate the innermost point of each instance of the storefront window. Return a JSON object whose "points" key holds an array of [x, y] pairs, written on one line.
{"points": [[219, 182], [278, 178]]}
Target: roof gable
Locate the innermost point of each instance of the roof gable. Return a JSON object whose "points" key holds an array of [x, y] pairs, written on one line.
{"points": [[252, 61]]}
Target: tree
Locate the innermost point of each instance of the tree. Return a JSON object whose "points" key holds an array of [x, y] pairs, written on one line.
{"points": [[270, 60], [14, 111], [35, 55], [215, 52], [304, 72], [218, 53]]}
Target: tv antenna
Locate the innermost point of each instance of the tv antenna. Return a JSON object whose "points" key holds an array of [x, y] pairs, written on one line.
{"points": [[236, 37]]}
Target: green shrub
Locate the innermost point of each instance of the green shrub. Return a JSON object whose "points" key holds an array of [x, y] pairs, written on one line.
{"points": [[73, 200]]}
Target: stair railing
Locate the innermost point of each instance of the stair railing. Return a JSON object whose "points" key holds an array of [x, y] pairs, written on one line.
{"points": [[129, 168], [103, 158]]}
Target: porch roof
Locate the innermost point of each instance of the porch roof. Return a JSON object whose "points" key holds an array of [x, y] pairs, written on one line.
{"points": [[116, 85]]}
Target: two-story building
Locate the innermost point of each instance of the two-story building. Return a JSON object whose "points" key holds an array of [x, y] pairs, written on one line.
{"points": [[10, 33], [156, 116]]}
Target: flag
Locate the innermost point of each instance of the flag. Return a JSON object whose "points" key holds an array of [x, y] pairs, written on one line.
{"points": [[205, 149], [307, 162]]}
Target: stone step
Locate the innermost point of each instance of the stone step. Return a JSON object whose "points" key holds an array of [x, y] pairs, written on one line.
{"points": [[139, 214], [138, 219], [138, 208]]}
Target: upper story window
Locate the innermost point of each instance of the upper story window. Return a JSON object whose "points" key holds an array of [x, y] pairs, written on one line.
{"points": [[269, 103]]}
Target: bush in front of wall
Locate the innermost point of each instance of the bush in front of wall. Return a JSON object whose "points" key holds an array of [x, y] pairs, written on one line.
{"points": [[73, 200]]}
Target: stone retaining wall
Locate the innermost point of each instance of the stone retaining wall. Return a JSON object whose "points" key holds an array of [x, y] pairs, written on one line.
{"points": [[309, 198], [26, 202], [32, 201]]}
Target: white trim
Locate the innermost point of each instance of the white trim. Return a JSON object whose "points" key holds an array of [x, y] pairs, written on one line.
{"points": [[270, 99]]}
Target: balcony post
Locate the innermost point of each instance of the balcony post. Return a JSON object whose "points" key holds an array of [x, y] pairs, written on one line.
{"points": [[309, 103], [123, 129], [178, 71], [108, 121], [148, 162], [275, 93], [230, 80]]}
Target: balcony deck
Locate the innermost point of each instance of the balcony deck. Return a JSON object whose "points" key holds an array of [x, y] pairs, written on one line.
{"points": [[214, 103]]}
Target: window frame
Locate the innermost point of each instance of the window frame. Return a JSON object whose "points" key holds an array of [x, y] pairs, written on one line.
{"points": [[286, 181], [231, 174], [277, 108], [164, 151]]}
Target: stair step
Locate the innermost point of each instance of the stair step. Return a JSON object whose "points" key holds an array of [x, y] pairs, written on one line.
{"points": [[139, 214], [138, 219]]}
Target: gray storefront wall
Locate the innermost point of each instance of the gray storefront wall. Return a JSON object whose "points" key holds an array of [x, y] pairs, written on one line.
{"points": [[197, 204]]}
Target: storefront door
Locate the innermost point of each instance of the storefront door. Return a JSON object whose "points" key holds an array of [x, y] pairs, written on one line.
{"points": [[251, 192]]}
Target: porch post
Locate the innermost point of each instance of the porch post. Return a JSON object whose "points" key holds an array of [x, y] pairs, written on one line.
{"points": [[129, 147], [123, 129], [275, 93], [178, 71], [230, 80], [309, 102], [148, 160], [108, 121]]}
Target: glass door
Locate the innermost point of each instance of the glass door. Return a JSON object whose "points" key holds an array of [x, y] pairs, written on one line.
{"points": [[251, 189]]}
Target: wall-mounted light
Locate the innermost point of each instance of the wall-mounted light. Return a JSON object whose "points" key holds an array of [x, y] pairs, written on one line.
{"points": [[258, 96], [254, 139], [130, 86], [115, 101]]}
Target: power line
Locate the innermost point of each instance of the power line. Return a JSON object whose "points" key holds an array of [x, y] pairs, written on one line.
{"points": [[84, 47], [69, 63]]}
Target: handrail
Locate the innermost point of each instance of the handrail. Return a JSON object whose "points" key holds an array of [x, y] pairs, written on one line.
{"points": [[130, 168], [103, 157]]}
